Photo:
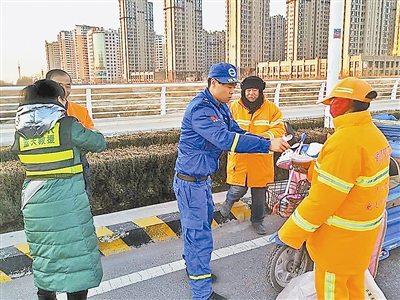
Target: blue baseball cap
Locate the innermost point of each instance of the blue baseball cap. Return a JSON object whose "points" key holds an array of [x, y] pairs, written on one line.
{"points": [[224, 73]]}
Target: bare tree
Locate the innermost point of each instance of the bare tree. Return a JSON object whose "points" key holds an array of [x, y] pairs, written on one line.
{"points": [[5, 83], [25, 80]]}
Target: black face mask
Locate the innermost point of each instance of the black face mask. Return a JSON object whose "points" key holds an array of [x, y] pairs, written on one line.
{"points": [[253, 106]]}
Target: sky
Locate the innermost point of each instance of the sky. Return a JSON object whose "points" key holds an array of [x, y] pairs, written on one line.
{"points": [[25, 25]]}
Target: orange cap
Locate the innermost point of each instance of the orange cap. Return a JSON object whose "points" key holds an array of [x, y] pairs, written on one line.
{"points": [[351, 88]]}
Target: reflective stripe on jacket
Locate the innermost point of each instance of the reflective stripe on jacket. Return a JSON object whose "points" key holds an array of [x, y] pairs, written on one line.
{"points": [[341, 216], [50, 155], [258, 168], [57, 218], [208, 129]]}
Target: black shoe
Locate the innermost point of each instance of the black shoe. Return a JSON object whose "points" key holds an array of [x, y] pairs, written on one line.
{"points": [[215, 296], [213, 276], [259, 228], [81, 295], [46, 295]]}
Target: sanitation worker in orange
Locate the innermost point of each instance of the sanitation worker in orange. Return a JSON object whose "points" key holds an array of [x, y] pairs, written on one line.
{"points": [[255, 114], [341, 217], [74, 110]]}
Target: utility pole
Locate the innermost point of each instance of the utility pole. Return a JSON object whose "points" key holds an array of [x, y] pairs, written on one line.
{"points": [[19, 71], [336, 16]]}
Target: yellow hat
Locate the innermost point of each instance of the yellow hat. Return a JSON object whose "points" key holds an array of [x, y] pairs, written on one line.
{"points": [[351, 88]]}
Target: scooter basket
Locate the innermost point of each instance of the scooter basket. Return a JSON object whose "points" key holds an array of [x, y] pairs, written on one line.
{"points": [[284, 204]]}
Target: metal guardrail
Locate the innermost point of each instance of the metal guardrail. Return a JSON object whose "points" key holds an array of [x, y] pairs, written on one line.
{"points": [[123, 100]]}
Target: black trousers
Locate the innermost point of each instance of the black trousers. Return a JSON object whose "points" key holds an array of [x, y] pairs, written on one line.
{"points": [[48, 295]]}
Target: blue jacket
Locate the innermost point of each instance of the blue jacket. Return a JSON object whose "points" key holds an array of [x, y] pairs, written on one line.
{"points": [[208, 129]]}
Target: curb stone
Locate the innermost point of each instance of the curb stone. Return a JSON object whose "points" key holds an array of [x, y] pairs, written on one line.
{"points": [[15, 261]]}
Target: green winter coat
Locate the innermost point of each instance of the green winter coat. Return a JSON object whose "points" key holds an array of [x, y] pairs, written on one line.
{"points": [[59, 225]]}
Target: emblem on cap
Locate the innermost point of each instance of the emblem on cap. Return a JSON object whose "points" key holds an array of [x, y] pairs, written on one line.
{"points": [[232, 72]]}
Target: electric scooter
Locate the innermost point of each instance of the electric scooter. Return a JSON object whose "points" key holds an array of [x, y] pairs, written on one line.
{"points": [[283, 197], [285, 263]]}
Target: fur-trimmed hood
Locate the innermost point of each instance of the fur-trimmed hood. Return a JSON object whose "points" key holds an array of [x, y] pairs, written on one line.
{"points": [[34, 120]]}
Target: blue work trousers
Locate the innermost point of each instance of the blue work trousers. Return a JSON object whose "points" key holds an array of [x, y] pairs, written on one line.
{"points": [[258, 199], [196, 209]]}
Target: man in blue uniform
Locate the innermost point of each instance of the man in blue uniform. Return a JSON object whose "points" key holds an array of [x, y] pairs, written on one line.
{"points": [[207, 130]]}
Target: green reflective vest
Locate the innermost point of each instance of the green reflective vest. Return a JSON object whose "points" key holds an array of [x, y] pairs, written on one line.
{"points": [[50, 155]]}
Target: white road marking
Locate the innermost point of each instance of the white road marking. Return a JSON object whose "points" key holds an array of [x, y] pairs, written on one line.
{"points": [[122, 281]]}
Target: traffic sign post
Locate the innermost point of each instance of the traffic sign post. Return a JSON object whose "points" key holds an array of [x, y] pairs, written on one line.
{"points": [[334, 51]]}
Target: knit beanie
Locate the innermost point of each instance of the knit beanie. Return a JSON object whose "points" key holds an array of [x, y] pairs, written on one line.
{"points": [[253, 82]]}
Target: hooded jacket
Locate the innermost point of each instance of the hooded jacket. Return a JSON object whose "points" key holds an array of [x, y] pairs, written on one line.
{"points": [[341, 217], [57, 218], [254, 170]]}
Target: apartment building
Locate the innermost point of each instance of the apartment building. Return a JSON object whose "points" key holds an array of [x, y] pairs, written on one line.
{"points": [[214, 49], [81, 52], [74, 57], [374, 66], [276, 32], [368, 29], [137, 38], [67, 53], [307, 29], [370, 36], [184, 39], [53, 59], [289, 69], [396, 39], [104, 51], [159, 63], [246, 34]]}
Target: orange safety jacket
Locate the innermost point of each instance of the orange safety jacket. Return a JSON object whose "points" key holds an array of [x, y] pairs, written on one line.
{"points": [[341, 217], [81, 113], [257, 169]]}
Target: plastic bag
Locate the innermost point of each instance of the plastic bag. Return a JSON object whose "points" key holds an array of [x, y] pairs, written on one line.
{"points": [[303, 288], [373, 264], [372, 290], [301, 162], [300, 288]]}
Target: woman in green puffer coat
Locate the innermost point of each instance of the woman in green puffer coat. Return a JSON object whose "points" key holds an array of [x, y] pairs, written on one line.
{"points": [[58, 222]]}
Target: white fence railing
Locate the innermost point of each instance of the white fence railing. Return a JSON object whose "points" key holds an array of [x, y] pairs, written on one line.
{"points": [[105, 101]]}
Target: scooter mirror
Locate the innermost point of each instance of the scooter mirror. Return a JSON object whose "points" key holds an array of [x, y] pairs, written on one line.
{"points": [[295, 145], [287, 138], [289, 128]]}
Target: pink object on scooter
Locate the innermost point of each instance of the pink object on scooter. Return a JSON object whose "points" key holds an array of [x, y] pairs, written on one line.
{"points": [[373, 264]]}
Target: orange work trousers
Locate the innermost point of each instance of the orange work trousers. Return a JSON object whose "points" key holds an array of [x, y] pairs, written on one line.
{"points": [[331, 286]]}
